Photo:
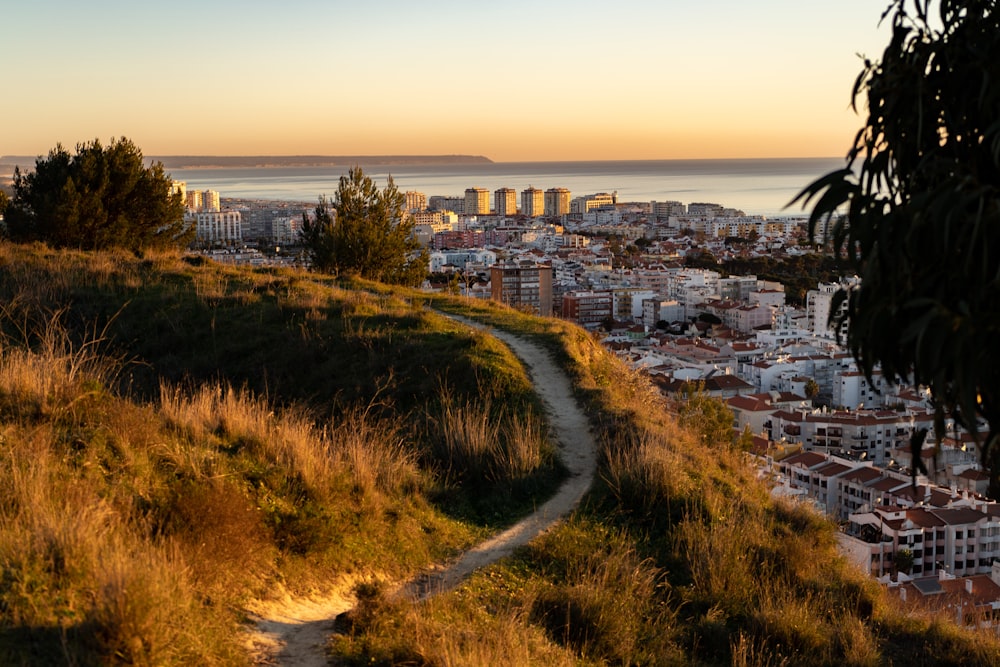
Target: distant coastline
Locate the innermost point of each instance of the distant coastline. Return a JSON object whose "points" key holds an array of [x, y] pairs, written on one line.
{"points": [[8, 162]]}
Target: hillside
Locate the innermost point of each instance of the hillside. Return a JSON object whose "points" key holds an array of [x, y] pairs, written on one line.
{"points": [[179, 440]]}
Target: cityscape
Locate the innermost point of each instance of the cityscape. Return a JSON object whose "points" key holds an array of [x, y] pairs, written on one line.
{"points": [[670, 340], [822, 431]]}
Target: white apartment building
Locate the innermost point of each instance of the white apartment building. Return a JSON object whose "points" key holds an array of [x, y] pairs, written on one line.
{"points": [[218, 226], [667, 208], [819, 308], [868, 434], [588, 203]]}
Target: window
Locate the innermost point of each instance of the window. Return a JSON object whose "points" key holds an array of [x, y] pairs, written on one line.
{"points": [[972, 532]]}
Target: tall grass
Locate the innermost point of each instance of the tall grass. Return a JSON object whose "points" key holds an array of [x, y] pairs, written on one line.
{"points": [[482, 443]]}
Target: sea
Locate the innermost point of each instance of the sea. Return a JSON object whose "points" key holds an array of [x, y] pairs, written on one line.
{"points": [[756, 186]]}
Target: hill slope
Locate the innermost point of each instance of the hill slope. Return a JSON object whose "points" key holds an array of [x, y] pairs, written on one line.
{"points": [[180, 440]]}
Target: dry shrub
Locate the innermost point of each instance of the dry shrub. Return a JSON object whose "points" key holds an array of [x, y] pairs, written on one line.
{"points": [[376, 454], [53, 372], [603, 608], [222, 536], [72, 563], [452, 630], [474, 445], [368, 450]]}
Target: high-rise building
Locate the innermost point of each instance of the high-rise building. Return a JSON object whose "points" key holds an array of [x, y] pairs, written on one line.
{"points": [[477, 201], [193, 201], [415, 201], [505, 201], [532, 202], [210, 201], [557, 201], [524, 284]]}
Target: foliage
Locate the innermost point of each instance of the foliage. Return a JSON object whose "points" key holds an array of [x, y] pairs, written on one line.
{"points": [[365, 232], [920, 220], [705, 415], [904, 561], [812, 388], [4, 202], [98, 198]]}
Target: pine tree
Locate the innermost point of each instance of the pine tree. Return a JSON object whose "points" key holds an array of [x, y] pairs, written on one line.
{"points": [[365, 232], [98, 198]]}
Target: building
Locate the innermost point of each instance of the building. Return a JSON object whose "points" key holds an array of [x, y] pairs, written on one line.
{"points": [[588, 309], [588, 203], [442, 203], [820, 317], [218, 227], [557, 201], [210, 201], [287, 230], [477, 201], [524, 284], [666, 209], [532, 202], [505, 202], [415, 201]]}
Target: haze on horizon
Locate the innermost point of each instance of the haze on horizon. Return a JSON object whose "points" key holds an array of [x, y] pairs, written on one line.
{"points": [[543, 80]]}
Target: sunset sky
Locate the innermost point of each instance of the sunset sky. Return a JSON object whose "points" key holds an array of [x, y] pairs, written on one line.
{"points": [[520, 80]]}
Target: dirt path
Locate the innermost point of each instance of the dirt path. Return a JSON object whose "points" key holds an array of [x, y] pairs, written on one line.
{"points": [[292, 632]]}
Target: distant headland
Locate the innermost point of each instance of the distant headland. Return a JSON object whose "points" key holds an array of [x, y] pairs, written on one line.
{"points": [[8, 162], [237, 161]]}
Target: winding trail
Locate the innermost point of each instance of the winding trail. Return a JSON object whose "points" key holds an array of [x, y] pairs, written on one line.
{"points": [[292, 632]]}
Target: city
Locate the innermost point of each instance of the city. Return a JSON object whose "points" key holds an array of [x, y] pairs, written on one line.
{"points": [[820, 429]]}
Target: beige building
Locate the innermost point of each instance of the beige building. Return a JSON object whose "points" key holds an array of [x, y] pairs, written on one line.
{"points": [[477, 201], [505, 202], [557, 201], [532, 202], [415, 201]]}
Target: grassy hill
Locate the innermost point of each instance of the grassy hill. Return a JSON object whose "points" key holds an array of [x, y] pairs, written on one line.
{"points": [[179, 438]]}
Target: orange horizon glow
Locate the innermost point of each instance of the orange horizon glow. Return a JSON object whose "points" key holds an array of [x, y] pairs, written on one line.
{"points": [[546, 81]]}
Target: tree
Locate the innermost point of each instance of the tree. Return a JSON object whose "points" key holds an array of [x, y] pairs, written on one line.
{"points": [[98, 198], [811, 388], [919, 221], [365, 232], [708, 417], [4, 201], [903, 561]]}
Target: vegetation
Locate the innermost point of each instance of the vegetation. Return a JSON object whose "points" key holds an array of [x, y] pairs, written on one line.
{"points": [[679, 556], [365, 232], [148, 498], [97, 198], [159, 475], [921, 216]]}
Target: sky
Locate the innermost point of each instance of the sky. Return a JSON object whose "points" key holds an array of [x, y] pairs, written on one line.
{"points": [[523, 80]]}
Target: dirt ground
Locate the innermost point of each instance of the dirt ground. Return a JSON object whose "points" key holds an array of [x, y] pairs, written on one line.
{"points": [[292, 632]]}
